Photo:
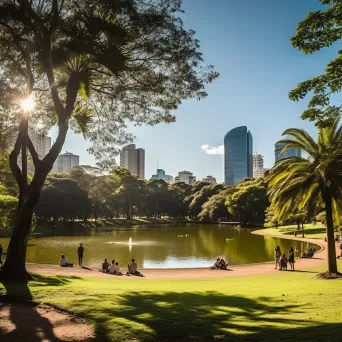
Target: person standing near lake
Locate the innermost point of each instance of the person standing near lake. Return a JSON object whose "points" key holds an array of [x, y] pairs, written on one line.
{"points": [[80, 252], [277, 256], [291, 258]]}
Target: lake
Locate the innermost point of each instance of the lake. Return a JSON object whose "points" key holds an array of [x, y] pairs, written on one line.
{"points": [[184, 246]]}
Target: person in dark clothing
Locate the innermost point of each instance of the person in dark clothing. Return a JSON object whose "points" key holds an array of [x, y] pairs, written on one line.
{"points": [[291, 258], [80, 251]]}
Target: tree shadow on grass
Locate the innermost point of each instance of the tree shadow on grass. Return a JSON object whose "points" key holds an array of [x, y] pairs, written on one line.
{"points": [[20, 291], [172, 316], [21, 322]]}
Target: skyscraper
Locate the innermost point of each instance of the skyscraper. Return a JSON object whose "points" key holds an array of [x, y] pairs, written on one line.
{"points": [[238, 155], [258, 165], [161, 175], [133, 159], [291, 152], [65, 162]]}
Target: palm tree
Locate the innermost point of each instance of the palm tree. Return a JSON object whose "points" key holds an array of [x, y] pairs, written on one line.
{"points": [[311, 182]]}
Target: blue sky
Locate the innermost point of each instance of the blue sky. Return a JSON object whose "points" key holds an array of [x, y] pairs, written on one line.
{"points": [[248, 42]]}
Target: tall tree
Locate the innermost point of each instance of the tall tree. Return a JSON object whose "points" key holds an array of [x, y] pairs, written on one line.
{"points": [[306, 182], [94, 66]]}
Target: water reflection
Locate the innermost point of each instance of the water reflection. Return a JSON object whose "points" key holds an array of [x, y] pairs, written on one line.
{"points": [[163, 247]]}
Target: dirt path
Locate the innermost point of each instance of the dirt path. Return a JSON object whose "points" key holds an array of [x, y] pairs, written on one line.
{"points": [[23, 322], [234, 271]]}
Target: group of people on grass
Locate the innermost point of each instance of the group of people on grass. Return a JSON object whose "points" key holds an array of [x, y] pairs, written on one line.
{"points": [[112, 268], [310, 253], [281, 260], [220, 264]]}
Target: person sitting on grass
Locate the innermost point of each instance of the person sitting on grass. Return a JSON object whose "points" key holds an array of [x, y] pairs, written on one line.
{"points": [[283, 263], [133, 268], [63, 261], [117, 269], [216, 265], [223, 264], [111, 268], [105, 266]]}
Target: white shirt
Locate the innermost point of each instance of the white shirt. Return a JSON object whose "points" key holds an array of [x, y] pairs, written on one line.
{"points": [[63, 261], [112, 268]]}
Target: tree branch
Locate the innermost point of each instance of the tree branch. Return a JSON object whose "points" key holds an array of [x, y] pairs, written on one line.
{"points": [[33, 153], [53, 86], [13, 160]]}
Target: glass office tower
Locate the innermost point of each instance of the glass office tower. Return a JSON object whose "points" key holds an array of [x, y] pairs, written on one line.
{"points": [[238, 155]]}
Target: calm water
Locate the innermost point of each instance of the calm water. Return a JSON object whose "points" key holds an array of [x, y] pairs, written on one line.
{"points": [[163, 247]]}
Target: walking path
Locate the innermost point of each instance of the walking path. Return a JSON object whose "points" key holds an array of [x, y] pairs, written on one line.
{"points": [[234, 271]]}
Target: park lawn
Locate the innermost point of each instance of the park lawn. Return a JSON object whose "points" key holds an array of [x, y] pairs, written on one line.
{"points": [[282, 306], [311, 231]]}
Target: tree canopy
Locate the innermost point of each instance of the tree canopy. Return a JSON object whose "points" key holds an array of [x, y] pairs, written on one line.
{"points": [[318, 30]]}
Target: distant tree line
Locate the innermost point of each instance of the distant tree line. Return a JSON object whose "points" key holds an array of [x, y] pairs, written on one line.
{"points": [[80, 195]]}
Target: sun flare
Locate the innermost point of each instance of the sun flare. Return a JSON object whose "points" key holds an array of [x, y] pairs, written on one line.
{"points": [[28, 104]]}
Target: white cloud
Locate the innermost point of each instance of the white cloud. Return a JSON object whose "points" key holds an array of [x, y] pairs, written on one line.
{"points": [[219, 150]]}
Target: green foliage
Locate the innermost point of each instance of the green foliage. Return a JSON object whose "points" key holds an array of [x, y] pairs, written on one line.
{"points": [[8, 185], [8, 205], [318, 30], [62, 198], [248, 204], [215, 208], [203, 196], [271, 220]]}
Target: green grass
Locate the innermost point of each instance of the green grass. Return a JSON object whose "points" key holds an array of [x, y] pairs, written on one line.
{"points": [[317, 231], [282, 306]]}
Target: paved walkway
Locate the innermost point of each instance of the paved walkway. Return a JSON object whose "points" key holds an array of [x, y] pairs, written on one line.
{"points": [[234, 271]]}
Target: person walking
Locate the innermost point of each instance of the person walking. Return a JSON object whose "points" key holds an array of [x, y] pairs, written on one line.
{"points": [[80, 252], [277, 256], [291, 258]]}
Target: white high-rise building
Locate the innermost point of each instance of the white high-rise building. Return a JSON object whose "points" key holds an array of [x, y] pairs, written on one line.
{"points": [[133, 159], [209, 179], [65, 162], [41, 143], [186, 177], [258, 165]]}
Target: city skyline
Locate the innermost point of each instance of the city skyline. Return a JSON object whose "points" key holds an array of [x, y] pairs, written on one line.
{"points": [[252, 89]]}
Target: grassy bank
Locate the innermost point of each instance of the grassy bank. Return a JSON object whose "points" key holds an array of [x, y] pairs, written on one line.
{"points": [[311, 231], [284, 306]]}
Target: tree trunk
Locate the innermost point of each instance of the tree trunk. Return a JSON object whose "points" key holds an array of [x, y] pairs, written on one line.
{"points": [[302, 228], [332, 264], [14, 268]]}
